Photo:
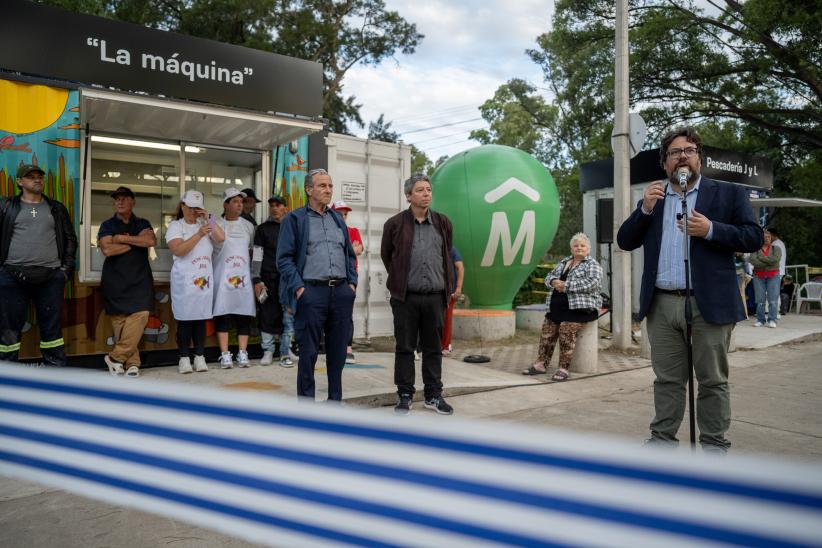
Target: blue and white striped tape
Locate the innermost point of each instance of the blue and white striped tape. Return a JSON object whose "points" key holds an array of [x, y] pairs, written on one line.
{"points": [[271, 471]]}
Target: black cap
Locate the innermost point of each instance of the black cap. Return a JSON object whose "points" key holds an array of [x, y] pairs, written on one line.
{"points": [[249, 193], [278, 199], [122, 191], [24, 170]]}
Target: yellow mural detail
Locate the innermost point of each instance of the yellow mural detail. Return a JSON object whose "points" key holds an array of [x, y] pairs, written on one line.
{"points": [[26, 108]]}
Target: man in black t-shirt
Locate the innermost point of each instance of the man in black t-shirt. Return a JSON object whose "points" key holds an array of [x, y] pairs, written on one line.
{"points": [[127, 283]]}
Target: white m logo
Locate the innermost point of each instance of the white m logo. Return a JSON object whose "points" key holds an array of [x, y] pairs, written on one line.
{"points": [[501, 233]]}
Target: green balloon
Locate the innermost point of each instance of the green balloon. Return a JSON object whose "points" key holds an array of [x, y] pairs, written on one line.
{"points": [[504, 206]]}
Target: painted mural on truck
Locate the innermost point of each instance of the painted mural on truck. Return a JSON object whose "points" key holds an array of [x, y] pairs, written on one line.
{"points": [[41, 125], [289, 169]]}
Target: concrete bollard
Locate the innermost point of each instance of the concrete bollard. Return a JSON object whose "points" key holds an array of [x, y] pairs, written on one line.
{"points": [[487, 325], [586, 354]]}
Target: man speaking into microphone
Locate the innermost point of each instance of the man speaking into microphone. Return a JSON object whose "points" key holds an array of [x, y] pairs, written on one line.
{"points": [[720, 222]]}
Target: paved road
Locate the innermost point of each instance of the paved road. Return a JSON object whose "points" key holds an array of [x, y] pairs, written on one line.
{"points": [[776, 395]]}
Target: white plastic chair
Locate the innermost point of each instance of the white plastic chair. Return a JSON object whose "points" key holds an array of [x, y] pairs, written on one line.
{"points": [[812, 294]]}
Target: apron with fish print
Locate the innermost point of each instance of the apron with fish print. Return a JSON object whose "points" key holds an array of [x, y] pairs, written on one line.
{"points": [[233, 292], [192, 280]]}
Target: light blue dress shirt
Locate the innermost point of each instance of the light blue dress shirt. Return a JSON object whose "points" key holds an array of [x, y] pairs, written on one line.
{"points": [[670, 272]]}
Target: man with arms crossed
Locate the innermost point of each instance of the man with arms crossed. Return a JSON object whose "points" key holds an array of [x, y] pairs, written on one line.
{"points": [[127, 284], [720, 222]]}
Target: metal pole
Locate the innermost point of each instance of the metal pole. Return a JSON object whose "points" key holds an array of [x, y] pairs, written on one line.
{"points": [[621, 299]]}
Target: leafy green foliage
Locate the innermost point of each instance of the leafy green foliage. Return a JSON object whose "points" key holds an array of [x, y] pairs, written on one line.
{"points": [[747, 74]]}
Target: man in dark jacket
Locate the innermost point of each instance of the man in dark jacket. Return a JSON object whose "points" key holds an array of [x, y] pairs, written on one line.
{"points": [[720, 222], [318, 280], [127, 283], [416, 251], [37, 248], [266, 279]]}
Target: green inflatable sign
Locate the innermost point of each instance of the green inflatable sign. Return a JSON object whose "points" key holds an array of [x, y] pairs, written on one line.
{"points": [[504, 206]]}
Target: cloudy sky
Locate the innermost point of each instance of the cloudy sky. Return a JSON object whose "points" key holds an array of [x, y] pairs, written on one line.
{"points": [[471, 47]]}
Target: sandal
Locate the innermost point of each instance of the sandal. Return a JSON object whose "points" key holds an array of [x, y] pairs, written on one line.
{"points": [[533, 371], [133, 371], [560, 375]]}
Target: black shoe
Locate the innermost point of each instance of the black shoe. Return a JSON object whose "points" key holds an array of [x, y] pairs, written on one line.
{"points": [[439, 405], [403, 406]]}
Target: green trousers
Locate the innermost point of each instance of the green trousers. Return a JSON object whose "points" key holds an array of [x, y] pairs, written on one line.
{"points": [[669, 358]]}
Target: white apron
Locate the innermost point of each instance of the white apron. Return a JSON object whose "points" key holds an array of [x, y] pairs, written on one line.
{"points": [[233, 290], [192, 281]]}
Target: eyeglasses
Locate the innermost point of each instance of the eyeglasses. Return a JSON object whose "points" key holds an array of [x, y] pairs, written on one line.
{"points": [[689, 152]]}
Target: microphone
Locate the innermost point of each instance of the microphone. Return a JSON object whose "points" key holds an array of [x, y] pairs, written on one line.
{"points": [[683, 174]]}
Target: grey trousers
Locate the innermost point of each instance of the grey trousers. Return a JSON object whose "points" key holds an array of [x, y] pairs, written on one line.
{"points": [[669, 359]]}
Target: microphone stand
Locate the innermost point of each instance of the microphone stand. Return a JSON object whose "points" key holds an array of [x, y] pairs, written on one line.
{"points": [[689, 319]]}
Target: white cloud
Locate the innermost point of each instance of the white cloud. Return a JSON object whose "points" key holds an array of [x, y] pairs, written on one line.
{"points": [[470, 48]]}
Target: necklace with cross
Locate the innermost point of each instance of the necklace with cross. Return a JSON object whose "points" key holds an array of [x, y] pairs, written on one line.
{"points": [[33, 213]]}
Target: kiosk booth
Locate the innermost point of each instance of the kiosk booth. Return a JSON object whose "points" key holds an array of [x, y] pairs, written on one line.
{"points": [[98, 104]]}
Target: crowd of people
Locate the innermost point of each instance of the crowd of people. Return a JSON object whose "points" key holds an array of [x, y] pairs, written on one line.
{"points": [[297, 271]]}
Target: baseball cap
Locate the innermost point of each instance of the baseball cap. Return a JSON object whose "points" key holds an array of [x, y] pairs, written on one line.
{"points": [[340, 205], [122, 191], [249, 193], [231, 192], [278, 199], [193, 198], [24, 170]]}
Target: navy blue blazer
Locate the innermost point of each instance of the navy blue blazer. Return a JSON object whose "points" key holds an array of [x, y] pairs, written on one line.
{"points": [[291, 251], [713, 276]]}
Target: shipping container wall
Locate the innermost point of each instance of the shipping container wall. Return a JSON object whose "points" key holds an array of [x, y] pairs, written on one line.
{"points": [[369, 176]]}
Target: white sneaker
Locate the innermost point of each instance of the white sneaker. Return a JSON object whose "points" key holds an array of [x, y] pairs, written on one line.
{"points": [[771, 324], [225, 361], [200, 364], [184, 366], [242, 359], [268, 357], [286, 361], [758, 324]]}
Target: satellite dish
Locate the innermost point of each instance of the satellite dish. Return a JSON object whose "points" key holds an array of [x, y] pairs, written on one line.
{"points": [[637, 131]]}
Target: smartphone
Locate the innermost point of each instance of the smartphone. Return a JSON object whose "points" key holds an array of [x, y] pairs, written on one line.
{"points": [[263, 295], [211, 221]]}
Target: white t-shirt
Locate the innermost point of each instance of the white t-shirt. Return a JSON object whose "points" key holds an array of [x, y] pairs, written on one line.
{"points": [[783, 259], [179, 228], [238, 228]]}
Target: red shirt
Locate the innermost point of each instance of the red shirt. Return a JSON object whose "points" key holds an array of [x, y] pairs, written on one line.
{"points": [[354, 236]]}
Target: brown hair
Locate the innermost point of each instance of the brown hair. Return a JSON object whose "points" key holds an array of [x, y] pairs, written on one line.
{"points": [[683, 131], [178, 213]]}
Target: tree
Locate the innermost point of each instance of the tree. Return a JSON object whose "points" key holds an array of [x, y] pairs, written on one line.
{"points": [[338, 34], [746, 74], [420, 162], [380, 130]]}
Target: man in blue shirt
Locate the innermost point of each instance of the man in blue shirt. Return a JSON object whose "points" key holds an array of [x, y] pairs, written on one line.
{"points": [[318, 280], [720, 222], [127, 284]]}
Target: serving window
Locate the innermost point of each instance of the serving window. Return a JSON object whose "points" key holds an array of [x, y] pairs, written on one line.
{"points": [[152, 170]]}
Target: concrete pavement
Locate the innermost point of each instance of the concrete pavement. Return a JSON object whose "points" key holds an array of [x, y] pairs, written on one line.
{"points": [[776, 387]]}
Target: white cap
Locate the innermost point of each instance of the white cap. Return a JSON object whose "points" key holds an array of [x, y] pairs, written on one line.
{"points": [[193, 198], [340, 205], [231, 192]]}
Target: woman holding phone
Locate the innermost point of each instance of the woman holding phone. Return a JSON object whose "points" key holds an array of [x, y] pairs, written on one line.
{"points": [[190, 238]]}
